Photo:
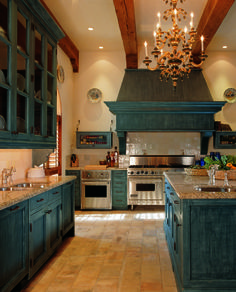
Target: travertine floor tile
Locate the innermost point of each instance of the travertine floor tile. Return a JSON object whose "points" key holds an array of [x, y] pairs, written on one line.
{"points": [[112, 251]]}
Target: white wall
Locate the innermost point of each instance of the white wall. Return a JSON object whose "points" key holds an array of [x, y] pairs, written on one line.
{"points": [[105, 71]]}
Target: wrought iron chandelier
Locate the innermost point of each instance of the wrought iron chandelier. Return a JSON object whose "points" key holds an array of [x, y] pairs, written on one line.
{"points": [[176, 63]]}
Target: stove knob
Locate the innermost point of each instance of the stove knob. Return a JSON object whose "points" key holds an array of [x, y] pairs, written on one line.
{"points": [[152, 172], [142, 171], [137, 172], [146, 172], [131, 172]]}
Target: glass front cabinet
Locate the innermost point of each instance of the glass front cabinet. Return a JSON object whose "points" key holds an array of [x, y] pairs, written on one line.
{"points": [[28, 84]]}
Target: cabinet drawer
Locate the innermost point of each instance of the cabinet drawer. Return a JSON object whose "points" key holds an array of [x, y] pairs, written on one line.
{"points": [[119, 184], [119, 192], [119, 173], [54, 195], [38, 201]]}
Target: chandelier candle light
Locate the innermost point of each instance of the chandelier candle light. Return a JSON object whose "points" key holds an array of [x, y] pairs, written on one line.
{"points": [[176, 63]]}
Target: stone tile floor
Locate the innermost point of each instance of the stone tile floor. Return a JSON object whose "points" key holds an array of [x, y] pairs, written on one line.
{"points": [[123, 251]]}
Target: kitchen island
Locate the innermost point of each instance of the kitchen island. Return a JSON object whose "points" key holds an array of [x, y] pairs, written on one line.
{"points": [[201, 234]]}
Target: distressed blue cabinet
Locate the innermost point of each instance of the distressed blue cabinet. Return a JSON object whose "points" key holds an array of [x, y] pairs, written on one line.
{"points": [[76, 172], [119, 189], [45, 227], [201, 237], [28, 80], [14, 255], [94, 140], [68, 208]]}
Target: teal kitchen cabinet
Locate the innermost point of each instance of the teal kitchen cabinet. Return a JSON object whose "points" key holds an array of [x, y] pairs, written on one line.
{"points": [[68, 208], [119, 189], [28, 44], [94, 140], [201, 238], [76, 172], [14, 255], [45, 227]]}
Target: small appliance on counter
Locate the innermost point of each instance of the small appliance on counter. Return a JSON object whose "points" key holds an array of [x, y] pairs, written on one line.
{"points": [[36, 172], [74, 160]]}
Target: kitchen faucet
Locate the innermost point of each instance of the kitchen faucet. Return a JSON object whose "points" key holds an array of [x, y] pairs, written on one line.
{"points": [[8, 173]]}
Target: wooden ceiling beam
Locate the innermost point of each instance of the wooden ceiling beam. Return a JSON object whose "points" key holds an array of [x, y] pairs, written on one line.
{"points": [[126, 19], [212, 17], [66, 43]]}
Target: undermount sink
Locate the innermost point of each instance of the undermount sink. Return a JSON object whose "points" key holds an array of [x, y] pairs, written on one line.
{"points": [[214, 189], [30, 185], [19, 187]]}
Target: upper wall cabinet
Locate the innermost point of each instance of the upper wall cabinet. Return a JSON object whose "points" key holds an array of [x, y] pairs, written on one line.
{"points": [[28, 64]]}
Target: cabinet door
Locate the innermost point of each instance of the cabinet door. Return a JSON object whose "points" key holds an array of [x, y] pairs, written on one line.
{"points": [[54, 225], [68, 208], [119, 189], [14, 254], [77, 187], [38, 240]]}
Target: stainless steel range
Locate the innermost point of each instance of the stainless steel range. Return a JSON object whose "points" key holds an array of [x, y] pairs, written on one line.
{"points": [[96, 189], [146, 183]]}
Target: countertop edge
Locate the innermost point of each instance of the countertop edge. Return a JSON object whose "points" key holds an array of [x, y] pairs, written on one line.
{"points": [[10, 198]]}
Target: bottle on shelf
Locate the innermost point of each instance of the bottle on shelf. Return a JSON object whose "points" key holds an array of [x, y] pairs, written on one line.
{"points": [[116, 157], [112, 159], [108, 159]]}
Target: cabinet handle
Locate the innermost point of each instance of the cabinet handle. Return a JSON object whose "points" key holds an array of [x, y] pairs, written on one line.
{"points": [[119, 183], [55, 193], [176, 202], [174, 246], [175, 218], [40, 200], [168, 188], [14, 209], [49, 211], [178, 225], [172, 194], [46, 136], [14, 132], [118, 200]]}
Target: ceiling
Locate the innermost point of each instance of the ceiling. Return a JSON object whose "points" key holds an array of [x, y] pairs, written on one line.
{"points": [[114, 23]]}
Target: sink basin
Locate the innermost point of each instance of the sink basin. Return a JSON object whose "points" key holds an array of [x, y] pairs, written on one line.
{"points": [[30, 185], [214, 189], [4, 189]]}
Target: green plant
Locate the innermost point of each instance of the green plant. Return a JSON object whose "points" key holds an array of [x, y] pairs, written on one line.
{"points": [[222, 162]]}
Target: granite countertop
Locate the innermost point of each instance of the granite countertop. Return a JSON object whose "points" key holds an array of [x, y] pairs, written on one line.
{"points": [[184, 184], [9, 198]]}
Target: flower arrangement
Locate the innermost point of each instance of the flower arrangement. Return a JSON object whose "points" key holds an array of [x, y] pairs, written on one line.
{"points": [[226, 162]]}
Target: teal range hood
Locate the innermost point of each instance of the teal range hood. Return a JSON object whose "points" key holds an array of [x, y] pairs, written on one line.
{"points": [[145, 103]]}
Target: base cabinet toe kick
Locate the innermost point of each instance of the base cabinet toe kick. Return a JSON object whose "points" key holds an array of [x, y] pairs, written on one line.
{"points": [[201, 238]]}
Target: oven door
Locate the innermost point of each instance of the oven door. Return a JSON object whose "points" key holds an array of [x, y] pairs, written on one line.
{"points": [[147, 190], [95, 194]]}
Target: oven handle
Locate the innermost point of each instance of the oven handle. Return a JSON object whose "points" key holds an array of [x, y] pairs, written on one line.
{"points": [[141, 178], [95, 182]]}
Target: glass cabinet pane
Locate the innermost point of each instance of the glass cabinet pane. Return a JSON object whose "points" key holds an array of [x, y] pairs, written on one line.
{"points": [[38, 82], [3, 18], [37, 118], [50, 83], [21, 32], [21, 72], [50, 58], [3, 62], [38, 47], [21, 113], [49, 121], [3, 109]]}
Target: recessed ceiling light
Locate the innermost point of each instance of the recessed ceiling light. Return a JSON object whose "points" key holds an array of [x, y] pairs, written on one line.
{"points": [[100, 47], [90, 28], [225, 47]]}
